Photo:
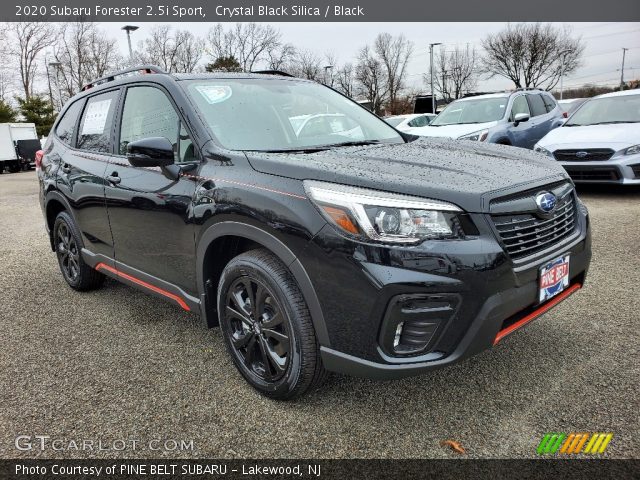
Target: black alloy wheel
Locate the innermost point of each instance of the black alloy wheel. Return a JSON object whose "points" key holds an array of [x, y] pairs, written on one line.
{"points": [[259, 333], [68, 246], [68, 253], [266, 326]]}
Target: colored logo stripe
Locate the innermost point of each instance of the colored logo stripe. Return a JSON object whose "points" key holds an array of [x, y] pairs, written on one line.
{"points": [[573, 443]]}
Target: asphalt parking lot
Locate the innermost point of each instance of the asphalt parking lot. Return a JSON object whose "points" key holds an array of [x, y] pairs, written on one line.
{"points": [[116, 364]]}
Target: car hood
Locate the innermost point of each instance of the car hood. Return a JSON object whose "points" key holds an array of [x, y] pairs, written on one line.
{"points": [[452, 131], [617, 136], [459, 172]]}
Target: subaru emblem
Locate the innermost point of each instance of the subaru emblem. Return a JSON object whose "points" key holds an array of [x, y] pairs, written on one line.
{"points": [[581, 154], [546, 202]]}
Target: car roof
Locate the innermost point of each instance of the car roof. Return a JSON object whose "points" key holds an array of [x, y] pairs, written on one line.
{"points": [[624, 93]]}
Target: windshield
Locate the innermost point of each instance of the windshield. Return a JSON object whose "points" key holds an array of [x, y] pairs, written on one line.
{"points": [[283, 115], [394, 121], [623, 109], [472, 111]]}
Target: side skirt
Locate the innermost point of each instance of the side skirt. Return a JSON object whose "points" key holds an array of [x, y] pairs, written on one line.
{"points": [[143, 281]]}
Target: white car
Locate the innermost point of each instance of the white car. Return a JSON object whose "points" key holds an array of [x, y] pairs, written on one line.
{"points": [[406, 123], [600, 142]]}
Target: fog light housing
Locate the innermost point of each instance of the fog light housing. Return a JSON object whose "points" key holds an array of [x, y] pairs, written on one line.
{"points": [[412, 323]]}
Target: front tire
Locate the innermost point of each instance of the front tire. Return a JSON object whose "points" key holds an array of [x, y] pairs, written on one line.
{"points": [[68, 244], [267, 327]]}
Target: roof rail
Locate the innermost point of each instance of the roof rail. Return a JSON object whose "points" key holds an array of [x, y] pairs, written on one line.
{"points": [[272, 72], [139, 70], [521, 89]]}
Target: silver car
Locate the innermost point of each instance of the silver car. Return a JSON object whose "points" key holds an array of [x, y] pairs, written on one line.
{"points": [[519, 118]]}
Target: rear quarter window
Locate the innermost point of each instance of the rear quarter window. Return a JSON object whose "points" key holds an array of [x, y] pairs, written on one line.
{"points": [[67, 125], [549, 102]]}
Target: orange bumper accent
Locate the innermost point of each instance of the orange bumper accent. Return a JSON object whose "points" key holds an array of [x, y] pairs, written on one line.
{"points": [[536, 313]]}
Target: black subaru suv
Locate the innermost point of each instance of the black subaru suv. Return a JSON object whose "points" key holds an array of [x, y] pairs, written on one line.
{"points": [[317, 236]]}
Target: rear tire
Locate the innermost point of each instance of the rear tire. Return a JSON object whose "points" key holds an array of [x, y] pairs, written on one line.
{"points": [[68, 245], [267, 327]]}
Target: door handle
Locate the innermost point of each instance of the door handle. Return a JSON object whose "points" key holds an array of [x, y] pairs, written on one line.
{"points": [[114, 178]]}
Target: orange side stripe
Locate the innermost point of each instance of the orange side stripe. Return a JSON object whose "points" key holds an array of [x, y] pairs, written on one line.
{"points": [[578, 447], [180, 301], [536, 313]]}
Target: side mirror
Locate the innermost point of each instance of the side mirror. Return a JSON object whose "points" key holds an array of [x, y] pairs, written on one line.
{"points": [[150, 152], [520, 117]]}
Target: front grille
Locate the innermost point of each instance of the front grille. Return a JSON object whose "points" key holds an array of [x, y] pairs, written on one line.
{"points": [[583, 155], [525, 234], [593, 174], [636, 170]]}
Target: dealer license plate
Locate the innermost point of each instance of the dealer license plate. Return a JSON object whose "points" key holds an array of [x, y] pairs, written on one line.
{"points": [[554, 278]]}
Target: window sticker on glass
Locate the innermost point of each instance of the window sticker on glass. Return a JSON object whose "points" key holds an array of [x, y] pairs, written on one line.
{"points": [[214, 93], [96, 117]]}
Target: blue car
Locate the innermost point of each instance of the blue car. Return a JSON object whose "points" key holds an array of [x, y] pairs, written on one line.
{"points": [[519, 118]]}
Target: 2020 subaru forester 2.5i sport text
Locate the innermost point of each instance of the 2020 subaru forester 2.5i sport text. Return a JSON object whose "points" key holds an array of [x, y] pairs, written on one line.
{"points": [[331, 243]]}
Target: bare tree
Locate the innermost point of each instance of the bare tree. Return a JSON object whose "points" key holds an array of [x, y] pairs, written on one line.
{"points": [[531, 55], [174, 51], [26, 42], [372, 79], [84, 53], [249, 43], [280, 58], [455, 72], [307, 64], [394, 54], [345, 80]]}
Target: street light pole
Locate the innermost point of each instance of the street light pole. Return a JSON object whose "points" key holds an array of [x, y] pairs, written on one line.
{"points": [[56, 66], [564, 55], [433, 95], [624, 52], [129, 29]]}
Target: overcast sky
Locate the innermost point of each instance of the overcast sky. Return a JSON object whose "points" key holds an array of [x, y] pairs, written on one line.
{"points": [[601, 62]]}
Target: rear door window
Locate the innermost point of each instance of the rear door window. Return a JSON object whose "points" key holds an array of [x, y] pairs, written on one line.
{"points": [[96, 126], [536, 104], [66, 127]]}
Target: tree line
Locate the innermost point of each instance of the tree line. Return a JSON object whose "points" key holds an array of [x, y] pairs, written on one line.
{"points": [[45, 64]]}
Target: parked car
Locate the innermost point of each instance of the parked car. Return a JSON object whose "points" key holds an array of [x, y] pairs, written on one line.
{"points": [[406, 123], [519, 118], [600, 142], [18, 146], [571, 105], [381, 255]]}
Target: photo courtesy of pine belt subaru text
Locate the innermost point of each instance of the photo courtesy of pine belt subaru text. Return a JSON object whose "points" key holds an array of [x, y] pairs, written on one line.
{"points": [[317, 236]]}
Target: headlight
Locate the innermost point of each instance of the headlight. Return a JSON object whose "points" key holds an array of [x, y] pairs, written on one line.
{"points": [[540, 149], [632, 150], [382, 216], [479, 136]]}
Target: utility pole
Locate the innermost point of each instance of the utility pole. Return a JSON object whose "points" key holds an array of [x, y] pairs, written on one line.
{"points": [[624, 52], [433, 95], [129, 29]]}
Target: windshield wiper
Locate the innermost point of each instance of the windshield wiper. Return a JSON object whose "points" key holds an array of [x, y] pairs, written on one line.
{"points": [[292, 150], [615, 121], [355, 143]]}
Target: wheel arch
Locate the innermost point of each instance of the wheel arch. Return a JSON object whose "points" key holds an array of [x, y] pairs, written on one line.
{"points": [[233, 238], [54, 204]]}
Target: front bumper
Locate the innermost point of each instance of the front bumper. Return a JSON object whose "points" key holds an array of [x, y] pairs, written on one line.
{"points": [[623, 170], [357, 283]]}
